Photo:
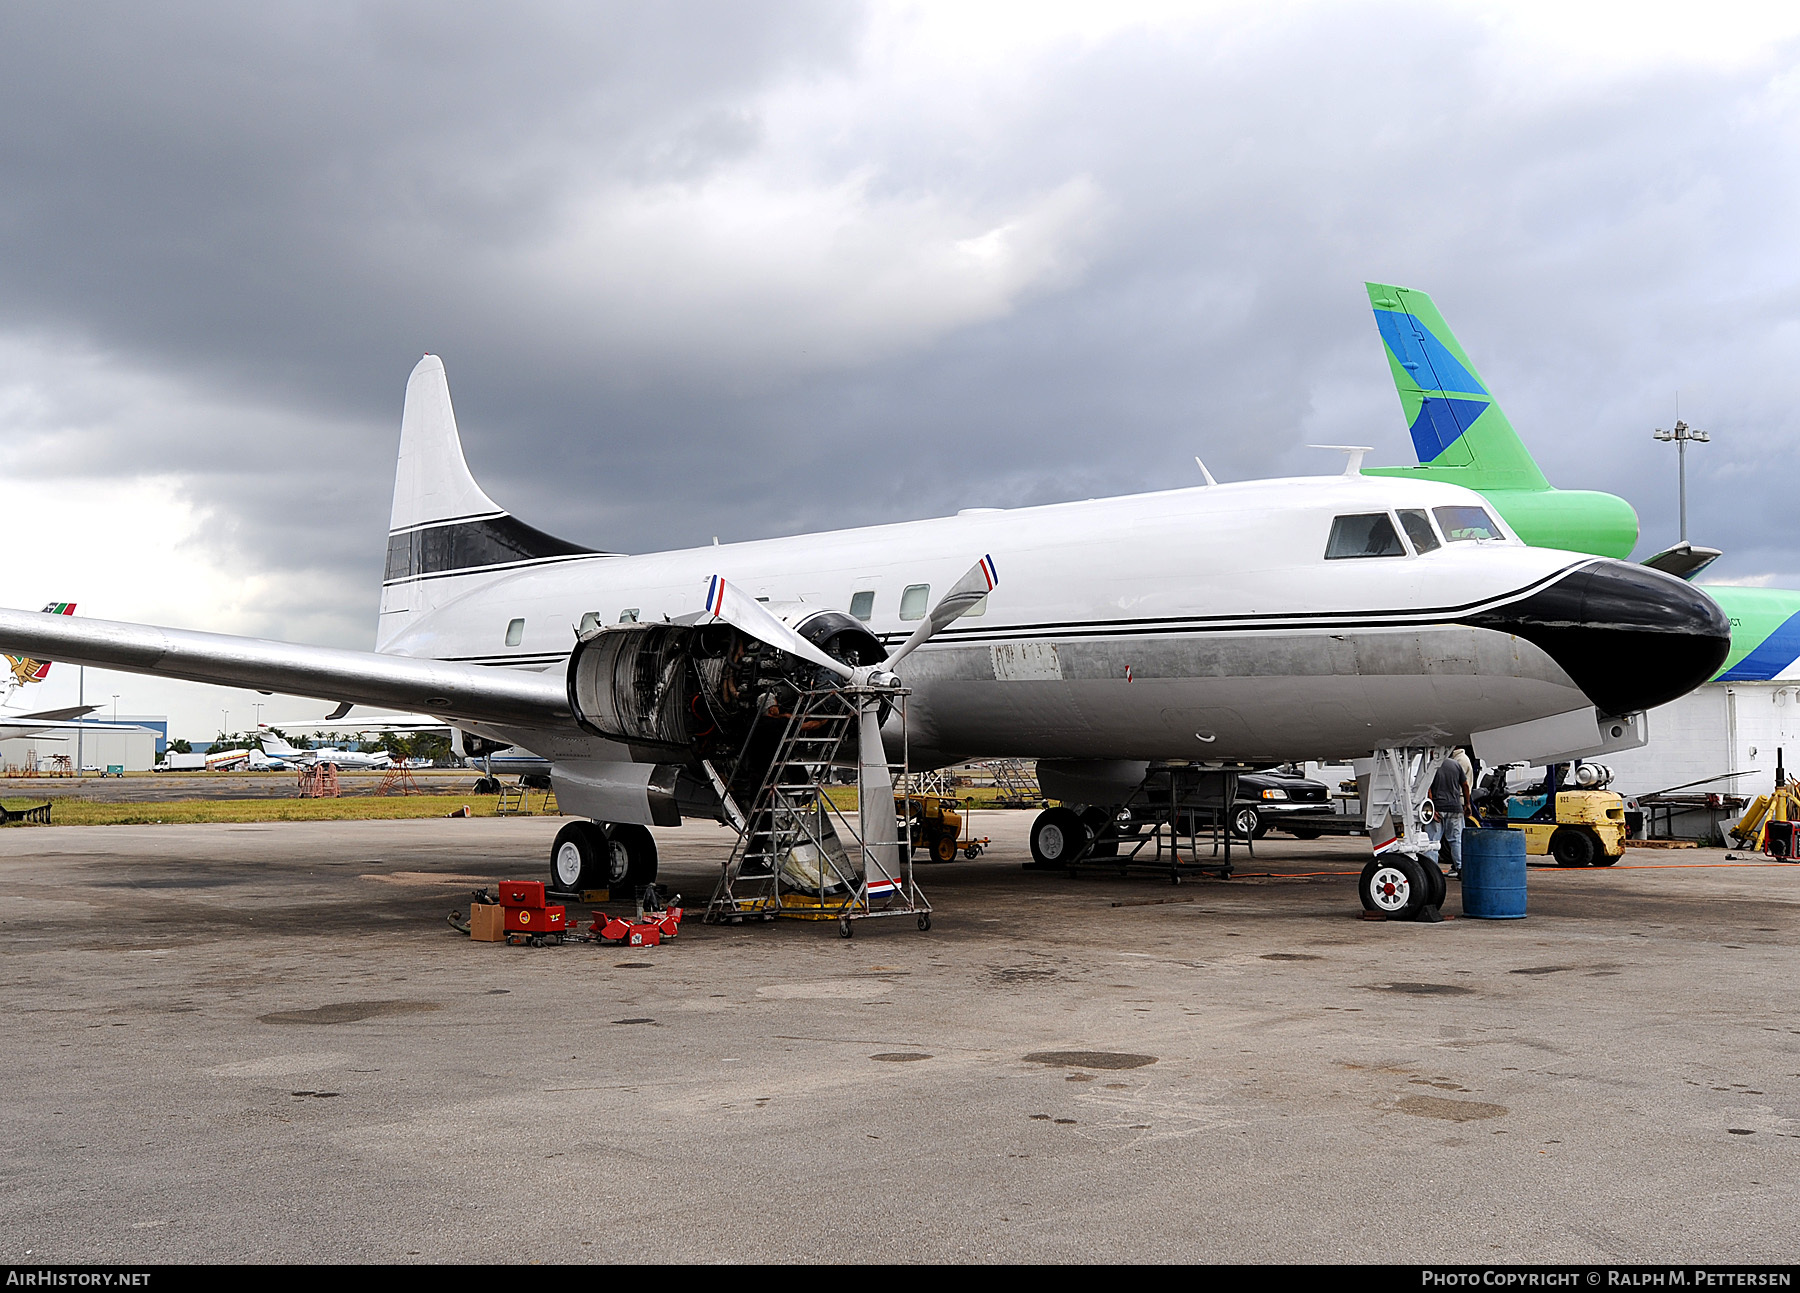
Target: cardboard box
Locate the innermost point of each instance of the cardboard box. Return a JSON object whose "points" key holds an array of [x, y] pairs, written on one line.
{"points": [[487, 922]]}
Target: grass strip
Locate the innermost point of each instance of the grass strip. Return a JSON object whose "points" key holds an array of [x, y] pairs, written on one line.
{"points": [[71, 811]]}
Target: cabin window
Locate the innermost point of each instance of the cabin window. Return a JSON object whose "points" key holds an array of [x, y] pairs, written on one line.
{"points": [[913, 600], [515, 633], [979, 608], [1418, 528], [629, 615], [590, 621], [1371, 534], [1459, 523], [862, 605]]}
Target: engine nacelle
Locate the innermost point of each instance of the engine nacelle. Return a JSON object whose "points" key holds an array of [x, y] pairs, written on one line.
{"points": [[686, 690]]}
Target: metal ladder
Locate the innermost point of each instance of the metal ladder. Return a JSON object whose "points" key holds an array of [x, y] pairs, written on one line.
{"points": [[788, 810], [798, 853]]}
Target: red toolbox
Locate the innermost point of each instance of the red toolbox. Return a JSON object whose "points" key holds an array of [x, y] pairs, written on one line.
{"points": [[522, 893], [535, 920], [648, 931]]}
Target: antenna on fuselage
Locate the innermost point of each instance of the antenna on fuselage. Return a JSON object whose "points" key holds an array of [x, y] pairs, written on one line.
{"points": [[1203, 471], [1355, 451]]}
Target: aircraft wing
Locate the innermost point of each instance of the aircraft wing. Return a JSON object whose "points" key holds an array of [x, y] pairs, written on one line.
{"points": [[493, 695]]}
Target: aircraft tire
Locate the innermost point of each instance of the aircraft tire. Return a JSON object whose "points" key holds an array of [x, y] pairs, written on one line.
{"points": [[1437, 888], [1573, 847], [1057, 836], [1393, 886], [576, 858], [639, 862], [1097, 820]]}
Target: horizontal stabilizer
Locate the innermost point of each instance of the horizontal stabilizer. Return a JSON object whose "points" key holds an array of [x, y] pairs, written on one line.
{"points": [[464, 691], [1684, 560], [67, 714]]}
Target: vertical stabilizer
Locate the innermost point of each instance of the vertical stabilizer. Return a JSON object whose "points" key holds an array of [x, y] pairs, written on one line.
{"points": [[1455, 421], [445, 532], [1463, 437], [432, 482]]}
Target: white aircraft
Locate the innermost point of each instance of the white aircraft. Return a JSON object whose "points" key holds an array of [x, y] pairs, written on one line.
{"points": [[344, 759], [1327, 617], [252, 760], [44, 720]]}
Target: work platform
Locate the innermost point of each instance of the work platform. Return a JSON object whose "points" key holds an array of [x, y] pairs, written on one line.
{"points": [[803, 852]]}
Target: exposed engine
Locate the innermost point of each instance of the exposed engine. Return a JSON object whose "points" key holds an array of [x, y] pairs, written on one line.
{"points": [[685, 692]]}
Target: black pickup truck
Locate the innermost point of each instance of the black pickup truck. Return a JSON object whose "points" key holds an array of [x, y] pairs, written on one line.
{"points": [[1280, 800]]}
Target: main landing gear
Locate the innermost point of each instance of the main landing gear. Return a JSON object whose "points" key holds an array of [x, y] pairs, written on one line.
{"points": [[602, 855], [1403, 880]]}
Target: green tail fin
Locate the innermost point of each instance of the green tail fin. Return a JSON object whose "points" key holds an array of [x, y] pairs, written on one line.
{"points": [[1455, 421], [1463, 437]]}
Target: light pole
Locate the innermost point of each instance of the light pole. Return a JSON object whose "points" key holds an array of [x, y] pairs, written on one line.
{"points": [[226, 734], [115, 708], [1681, 435]]}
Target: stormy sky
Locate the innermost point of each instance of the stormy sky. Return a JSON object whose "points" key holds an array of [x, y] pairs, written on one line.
{"points": [[715, 268]]}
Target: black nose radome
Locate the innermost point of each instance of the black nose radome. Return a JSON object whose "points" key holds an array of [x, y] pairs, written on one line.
{"points": [[1631, 637]]}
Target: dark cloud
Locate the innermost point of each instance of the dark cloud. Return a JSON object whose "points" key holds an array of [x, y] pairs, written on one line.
{"points": [[719, 269]]}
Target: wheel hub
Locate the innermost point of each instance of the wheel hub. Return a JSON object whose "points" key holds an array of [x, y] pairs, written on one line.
{"points": [[1390, 889], [618, 859], [568, 863]]}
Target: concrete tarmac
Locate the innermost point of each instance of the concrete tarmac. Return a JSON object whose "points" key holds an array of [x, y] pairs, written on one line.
{"points": [[262, 1042]]}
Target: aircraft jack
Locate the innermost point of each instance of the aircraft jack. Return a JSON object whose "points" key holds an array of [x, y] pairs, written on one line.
{"points": [[802, 856]]}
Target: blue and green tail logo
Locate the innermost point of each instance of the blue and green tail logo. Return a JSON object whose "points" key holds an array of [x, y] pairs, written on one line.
{"points": [[1462, 435]]}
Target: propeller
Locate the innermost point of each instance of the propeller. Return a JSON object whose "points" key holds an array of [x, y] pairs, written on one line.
{"points": [[725, 602], [874, 778], [971, 588]]}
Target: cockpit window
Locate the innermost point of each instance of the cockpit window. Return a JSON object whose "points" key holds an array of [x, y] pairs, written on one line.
{"points": [[1370, 535], [1418, 528], [1466, 523]]}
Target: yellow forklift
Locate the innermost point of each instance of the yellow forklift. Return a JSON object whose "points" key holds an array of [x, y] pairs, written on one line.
{"points": [[937, 826], [1580, 825]]}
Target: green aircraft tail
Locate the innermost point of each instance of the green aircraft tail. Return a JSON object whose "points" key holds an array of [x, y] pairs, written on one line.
{"points": [[1463, 437]]}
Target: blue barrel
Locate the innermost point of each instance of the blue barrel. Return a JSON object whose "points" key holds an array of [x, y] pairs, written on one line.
{"points": [[1493, 878]]}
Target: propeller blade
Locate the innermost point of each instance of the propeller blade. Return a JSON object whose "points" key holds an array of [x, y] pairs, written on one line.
{"points": [[725, 602], [875, 793], [981, 580]]}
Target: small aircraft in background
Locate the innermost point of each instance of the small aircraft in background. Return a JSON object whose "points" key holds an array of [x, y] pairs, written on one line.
{"points": [[350, 760], [250, 760]]}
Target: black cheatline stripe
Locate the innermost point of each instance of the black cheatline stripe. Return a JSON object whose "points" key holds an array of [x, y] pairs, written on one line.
{"points": [[485, 543], [1270, 623], [502, 566], [1274, 620]]}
